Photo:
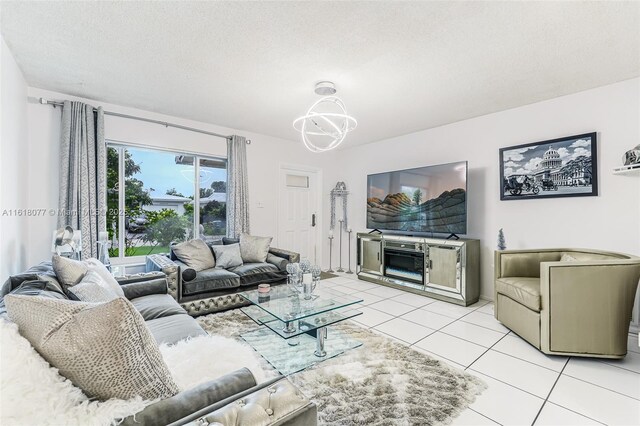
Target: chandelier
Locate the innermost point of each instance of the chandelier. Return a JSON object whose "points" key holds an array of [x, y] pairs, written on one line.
{"points": [[326, 123]]}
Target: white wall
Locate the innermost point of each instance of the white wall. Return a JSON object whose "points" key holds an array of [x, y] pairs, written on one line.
{"points": [[14, 164], [607, 222], [264, 156]]}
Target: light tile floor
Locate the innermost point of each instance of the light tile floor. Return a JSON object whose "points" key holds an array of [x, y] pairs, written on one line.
{"points": [[525, 387]]}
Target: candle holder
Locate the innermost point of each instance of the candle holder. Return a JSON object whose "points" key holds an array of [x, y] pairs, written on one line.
{"points": [[330, 270], [340, 250], [349, 271]]}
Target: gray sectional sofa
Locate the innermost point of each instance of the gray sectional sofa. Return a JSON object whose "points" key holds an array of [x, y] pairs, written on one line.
{"points": [[226, 400], [216, 289]]}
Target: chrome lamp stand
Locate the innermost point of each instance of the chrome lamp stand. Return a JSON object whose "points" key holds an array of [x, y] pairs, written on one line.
{"points": [[349, 271], [330, 270], [340, 258]]}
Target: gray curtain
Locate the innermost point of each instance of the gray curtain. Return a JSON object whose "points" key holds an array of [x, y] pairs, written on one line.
{"points": [[237, 187], [83, 173]]}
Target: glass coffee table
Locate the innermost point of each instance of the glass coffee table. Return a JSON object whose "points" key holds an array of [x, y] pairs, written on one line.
{"points": [[294, 332]]}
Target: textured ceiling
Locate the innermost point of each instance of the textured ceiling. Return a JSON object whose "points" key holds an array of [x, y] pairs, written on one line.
{"points": [[399, 67]]}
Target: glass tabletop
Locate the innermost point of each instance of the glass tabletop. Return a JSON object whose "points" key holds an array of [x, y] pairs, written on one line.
{"points": [[289, 359], [286, 305]]}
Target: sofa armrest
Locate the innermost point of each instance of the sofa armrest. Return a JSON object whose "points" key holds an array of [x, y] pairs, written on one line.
{"points": [[192, 400], [277, 402], [291, 256], [587, 305], [145, 288], [161, 263], [186, 272], [139, 278], [280, 262]]}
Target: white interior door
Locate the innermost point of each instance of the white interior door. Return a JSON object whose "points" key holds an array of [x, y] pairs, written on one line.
{"points": [[298, 212]]}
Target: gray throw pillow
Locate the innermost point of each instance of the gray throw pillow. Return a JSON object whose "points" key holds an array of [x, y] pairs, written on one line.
{"points": [[93, 289], [68, 271], [105, 349], [227, 256], [254, 249], [196, 254], [98, 267]]}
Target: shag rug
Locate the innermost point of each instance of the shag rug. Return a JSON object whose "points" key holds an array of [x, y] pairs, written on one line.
{"points": [[32, 392], [380, 383]]}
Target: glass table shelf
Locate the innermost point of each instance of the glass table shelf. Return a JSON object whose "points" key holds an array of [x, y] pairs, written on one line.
{"points": [[288, 359], [285, 305], [298, 327], [293, 332]]}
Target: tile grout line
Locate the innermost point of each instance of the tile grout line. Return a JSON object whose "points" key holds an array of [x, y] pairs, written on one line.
{"points": [[575, 412], [601, 387], [486, 417], [504, 383], [421, 325], [550, 390], [483, 353], [621, 368], [527, 361]]}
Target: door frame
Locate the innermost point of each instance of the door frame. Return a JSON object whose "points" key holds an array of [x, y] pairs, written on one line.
{"points": [[289, 167]]}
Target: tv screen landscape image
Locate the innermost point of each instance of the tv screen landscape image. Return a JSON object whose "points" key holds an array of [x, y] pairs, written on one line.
{"points": [[431, 199]]}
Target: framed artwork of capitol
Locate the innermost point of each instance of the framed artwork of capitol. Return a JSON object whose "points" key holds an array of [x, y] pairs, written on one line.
{"points": [[563, 167]]}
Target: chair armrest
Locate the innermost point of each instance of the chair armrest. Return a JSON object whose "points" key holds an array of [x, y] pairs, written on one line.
{"points": [[291, 256], [277, 402], [193, 400], [161, 263], [586, 305], [280, 262], [522, 263]]}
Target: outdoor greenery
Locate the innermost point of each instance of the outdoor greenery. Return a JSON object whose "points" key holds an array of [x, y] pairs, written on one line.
{"points": [[165, 226], [157, 228]]}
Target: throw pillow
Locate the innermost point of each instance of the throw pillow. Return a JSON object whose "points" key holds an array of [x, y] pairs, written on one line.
{"points": [[99, 268], [566, 257], [196, 254], [93, 289], [254, 249], [227, 256], [68, 271], [105, 349]]}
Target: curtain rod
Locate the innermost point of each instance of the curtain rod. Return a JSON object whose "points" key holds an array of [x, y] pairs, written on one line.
{"points": [[54, 104]]}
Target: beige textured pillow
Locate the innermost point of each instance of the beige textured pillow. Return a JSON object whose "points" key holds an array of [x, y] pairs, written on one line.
{"points": [[93, 289], [196, 254], [68, 271], [254, 249], [104, 349], [566, 257]]}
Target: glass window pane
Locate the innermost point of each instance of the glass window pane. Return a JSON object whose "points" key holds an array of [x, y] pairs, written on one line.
{"points": [[113, 199], [213, 199], [297, 181], [159, 192]]}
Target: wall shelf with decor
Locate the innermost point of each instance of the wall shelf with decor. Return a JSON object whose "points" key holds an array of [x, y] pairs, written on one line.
{"points": [[631, 170]]}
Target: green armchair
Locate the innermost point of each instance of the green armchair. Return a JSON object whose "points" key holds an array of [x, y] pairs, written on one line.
{"points": [[567, 301]]}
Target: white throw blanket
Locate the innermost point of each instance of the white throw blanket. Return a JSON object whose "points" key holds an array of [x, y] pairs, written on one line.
{"points": [[32, 392]]}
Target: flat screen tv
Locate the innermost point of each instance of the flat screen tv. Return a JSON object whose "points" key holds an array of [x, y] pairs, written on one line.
{"points": [[430, 199]]}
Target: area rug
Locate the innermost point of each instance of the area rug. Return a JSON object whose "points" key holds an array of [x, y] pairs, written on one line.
{"points": [[380, 383]]}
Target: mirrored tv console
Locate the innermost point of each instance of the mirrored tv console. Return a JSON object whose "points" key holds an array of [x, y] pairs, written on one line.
{"points": [[443, 269]]}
